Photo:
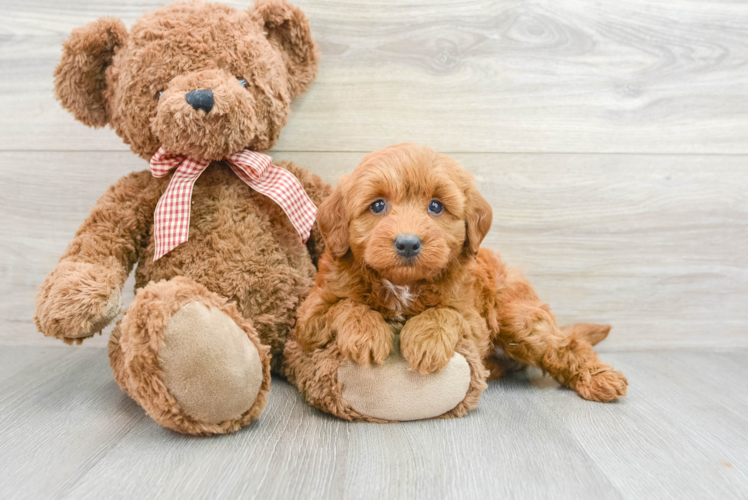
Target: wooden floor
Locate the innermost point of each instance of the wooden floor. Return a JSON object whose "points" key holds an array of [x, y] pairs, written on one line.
{"points": [[610, 139], [67, 431]]}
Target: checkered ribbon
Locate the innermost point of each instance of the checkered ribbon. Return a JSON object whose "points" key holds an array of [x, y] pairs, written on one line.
{"points": [[172, 216]]}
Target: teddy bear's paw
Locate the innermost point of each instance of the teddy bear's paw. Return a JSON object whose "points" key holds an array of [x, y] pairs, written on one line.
{"points": [[209, 365], [76, 301], [393, 391], [602, 384]]}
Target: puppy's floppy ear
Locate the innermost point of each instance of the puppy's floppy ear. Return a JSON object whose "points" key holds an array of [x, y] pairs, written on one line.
{"points": [[332, 218], [288, 31], [80, 79], [478, 218]]}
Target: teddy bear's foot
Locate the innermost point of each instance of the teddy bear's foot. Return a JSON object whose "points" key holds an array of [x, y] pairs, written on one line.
{"points": [[190, 359], [390, 392], [393, 391]]}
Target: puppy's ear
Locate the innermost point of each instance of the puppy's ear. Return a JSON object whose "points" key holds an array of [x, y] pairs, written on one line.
{"points": [[478, 218], [288, 30], [332, 218], [80, 76]]}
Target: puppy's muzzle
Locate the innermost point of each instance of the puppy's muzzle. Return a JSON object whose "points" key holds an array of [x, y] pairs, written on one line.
{"points": [[408, 245]]}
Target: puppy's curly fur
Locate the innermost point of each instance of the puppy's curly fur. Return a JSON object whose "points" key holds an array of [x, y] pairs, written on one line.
{"points": [[452, 290]]}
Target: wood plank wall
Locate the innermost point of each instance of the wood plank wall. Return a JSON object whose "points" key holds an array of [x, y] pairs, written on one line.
{"points": [[611, 139]]}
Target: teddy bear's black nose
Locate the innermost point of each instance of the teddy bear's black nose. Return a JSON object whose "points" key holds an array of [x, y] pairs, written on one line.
{"points": [[200, 99]]}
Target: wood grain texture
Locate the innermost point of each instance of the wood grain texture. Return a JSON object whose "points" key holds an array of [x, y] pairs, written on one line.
{"points": [[59, 414], [66, 431], [459, 75], [654, 244]]}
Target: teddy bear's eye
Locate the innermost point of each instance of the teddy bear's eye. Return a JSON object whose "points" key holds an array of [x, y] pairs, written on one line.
{"points": [[243, 82], [160, 94]]}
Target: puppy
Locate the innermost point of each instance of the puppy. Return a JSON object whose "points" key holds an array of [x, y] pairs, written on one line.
{"points": [[403, 235]]}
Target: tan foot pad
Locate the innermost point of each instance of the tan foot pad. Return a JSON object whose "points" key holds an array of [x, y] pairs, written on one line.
{"points": [[393, 392], [210, 366]]}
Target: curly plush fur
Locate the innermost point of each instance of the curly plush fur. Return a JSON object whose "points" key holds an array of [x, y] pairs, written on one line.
{"points": [[242, 248], [453, 292]]}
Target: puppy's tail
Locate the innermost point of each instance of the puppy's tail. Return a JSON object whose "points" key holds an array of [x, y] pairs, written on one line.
{"points": [[591, 332]]}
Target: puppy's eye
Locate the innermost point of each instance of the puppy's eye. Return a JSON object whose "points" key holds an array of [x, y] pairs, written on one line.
{"points": [[378, 207], [436, 207], [243, 82], [160, 94]]}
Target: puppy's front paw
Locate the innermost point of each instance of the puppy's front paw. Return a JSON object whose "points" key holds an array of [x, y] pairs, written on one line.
{"points": [[603, 384], [428, 355], [427, 343], [364, 337]]}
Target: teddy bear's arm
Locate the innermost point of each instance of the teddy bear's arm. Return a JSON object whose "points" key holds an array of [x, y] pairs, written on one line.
{"points": [[83, 294], [318, 190]]}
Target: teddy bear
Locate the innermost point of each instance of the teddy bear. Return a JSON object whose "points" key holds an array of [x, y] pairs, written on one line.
{"points": [[222, 237]]}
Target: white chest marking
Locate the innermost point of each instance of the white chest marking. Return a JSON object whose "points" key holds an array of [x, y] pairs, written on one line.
{"points": [[399, 296]]}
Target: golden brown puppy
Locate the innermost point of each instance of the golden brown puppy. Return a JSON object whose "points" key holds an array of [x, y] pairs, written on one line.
{"points": [[403, 235]]}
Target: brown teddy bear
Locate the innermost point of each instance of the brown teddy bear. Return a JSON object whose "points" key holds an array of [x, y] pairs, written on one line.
{"points": [[217, 232]]}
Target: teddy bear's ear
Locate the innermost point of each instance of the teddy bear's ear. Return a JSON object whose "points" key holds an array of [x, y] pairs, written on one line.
{"points": [[287, 28], [80, 75]]}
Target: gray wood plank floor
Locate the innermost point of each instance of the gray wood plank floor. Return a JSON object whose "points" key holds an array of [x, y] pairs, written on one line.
{"points": [[67, 431]]}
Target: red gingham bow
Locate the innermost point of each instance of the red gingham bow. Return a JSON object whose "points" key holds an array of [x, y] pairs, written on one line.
{"points": [[172, 216]]}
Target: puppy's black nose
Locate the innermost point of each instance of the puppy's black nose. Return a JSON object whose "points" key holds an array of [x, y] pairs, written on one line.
{"points": [[200, 99], [407, 245]]}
